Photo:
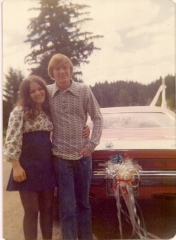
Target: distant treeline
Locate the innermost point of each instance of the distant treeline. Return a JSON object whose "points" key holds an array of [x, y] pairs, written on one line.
{"points": [[129, 93]]}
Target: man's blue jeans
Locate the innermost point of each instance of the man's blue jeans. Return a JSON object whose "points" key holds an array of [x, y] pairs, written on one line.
{"points": [[73, 179]]}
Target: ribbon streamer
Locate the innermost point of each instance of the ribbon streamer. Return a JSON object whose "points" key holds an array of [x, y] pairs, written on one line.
{"points": [[125, 175]]}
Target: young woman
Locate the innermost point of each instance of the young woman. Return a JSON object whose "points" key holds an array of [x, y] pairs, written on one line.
{"points": [[28, 148]]}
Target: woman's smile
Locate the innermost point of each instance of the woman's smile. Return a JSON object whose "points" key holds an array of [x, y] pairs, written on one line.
{"points": [[37, 93]]}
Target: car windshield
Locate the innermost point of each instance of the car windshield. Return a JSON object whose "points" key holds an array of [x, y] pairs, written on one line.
{"points": [[137, 120]]}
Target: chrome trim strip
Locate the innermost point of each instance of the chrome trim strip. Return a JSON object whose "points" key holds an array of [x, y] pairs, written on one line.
{"points": [[147, 178], [102, 173], [157, 173]]}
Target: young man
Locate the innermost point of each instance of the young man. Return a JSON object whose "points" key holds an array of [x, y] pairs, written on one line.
{"points": [[70, 104]]}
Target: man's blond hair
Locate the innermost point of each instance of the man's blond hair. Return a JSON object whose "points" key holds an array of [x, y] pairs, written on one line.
{"points": [[58, 60]]}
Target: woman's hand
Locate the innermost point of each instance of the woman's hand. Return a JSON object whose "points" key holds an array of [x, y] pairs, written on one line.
{"points": [[86, 131], [19, 174]]}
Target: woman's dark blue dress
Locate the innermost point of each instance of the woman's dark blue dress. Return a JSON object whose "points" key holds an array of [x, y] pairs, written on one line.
{"points": [[36, 159]]}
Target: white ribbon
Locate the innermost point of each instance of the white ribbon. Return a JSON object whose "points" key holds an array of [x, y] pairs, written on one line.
{"points": [[126, 177]]}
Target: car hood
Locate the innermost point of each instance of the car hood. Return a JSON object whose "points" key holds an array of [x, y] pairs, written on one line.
{"points": [[137, 139]]}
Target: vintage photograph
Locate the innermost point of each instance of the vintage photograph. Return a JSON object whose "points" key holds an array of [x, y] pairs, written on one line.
{"points": [[89, 124]]}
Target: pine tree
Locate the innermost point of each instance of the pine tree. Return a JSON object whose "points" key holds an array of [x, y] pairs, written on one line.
{"points": [[10, 92], [11, 86], [57, 29], [124, 98]]}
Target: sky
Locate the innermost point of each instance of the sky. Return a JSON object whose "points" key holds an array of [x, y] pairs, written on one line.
{"points": [[138, 43]]}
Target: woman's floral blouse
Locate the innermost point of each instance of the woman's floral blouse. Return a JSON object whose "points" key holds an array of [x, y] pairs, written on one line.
{"points": [[17, 126]]}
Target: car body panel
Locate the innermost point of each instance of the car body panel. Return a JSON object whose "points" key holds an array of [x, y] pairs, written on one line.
{"points": [[152, 147]]}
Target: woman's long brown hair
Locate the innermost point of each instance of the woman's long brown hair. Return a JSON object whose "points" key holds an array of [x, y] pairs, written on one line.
{"points": [[25, 101]]}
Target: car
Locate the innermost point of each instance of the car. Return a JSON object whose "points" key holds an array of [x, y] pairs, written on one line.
{"points": [[145, 134]]}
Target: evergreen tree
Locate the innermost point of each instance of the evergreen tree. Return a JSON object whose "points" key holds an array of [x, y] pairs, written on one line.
{"points": [[57, 29], [124, 98], [170, 91], [10, 92]]}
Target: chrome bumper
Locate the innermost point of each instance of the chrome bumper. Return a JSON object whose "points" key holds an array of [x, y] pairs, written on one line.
{"points": [[147, 178], [157, 178]]}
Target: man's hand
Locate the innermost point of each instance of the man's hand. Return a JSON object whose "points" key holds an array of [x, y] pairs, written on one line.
{"points": [[86, 132], [85, 152], [19, 174]]}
